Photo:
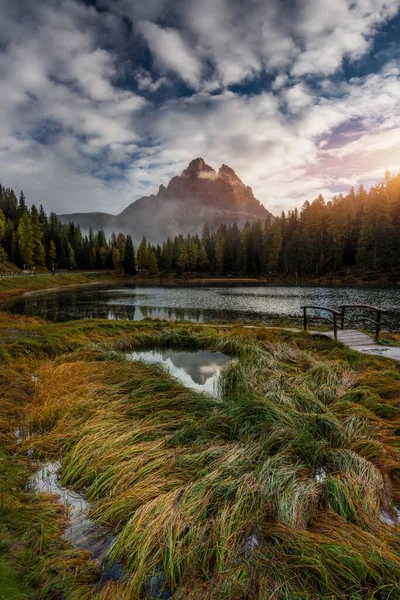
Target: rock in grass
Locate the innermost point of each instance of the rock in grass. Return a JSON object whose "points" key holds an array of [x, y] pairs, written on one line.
{"points": [[250, 545], [156, 587], [113, 572]]}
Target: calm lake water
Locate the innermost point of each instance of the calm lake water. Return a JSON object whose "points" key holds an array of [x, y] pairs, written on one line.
{"points": [[202, 302]]}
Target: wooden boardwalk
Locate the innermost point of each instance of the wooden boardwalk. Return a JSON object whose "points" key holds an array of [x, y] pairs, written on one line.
{"points": [[351, 337], [354, 339], [361, 342]]}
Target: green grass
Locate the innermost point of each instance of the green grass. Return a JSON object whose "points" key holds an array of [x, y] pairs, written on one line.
{"points": [[301, 452], [13, 286], [11, 586]]}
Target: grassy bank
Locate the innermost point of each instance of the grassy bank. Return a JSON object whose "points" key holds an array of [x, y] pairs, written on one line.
{"points": [[276, 491], [15, 286]]}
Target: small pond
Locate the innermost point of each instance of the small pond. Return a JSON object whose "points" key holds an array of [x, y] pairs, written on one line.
{"points": [[200, 370]]}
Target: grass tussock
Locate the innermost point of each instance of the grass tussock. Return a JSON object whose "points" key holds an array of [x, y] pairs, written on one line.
{"points": [[274, 491]]}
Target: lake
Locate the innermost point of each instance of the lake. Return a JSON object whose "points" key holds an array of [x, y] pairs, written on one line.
{"points": [[266, 303]]}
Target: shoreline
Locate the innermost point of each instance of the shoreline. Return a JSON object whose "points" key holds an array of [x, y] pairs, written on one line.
{"points": [[226, 280], [32, 285], [60, 287], [11, 287]]}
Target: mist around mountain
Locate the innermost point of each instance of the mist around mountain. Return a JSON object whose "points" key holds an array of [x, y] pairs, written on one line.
{"points": [[199, 196]]}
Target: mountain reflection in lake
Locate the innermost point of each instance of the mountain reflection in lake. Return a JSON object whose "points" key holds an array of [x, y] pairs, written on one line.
{"points": [[199, 371], [262, 302]]}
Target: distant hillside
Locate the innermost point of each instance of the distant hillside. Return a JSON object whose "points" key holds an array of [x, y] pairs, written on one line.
{"points": [[198, 196]]}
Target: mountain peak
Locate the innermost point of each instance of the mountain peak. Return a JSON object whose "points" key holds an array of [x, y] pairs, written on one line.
{"points": [[196, 167], [229, 175], [226, 170], [197, 197]]}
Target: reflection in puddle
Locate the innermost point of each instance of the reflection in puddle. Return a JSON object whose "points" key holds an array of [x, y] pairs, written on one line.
{"points": [[391, 518], [81, 531], [199, 371]]}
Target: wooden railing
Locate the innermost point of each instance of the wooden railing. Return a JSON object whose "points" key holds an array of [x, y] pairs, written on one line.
{"points": [[335, 315], [377, 321], [341, 315]]}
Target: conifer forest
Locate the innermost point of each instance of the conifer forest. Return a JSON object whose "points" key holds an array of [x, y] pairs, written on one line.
{"points": [[357, 232]]}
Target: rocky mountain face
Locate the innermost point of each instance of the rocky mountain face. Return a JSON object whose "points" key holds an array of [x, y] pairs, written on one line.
{"points": [[199, 196]]}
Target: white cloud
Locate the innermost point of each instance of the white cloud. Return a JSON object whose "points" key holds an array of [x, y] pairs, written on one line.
{"points": [[172, 52], [146, 82], [297, 98], [242, 39], [75, 140], [332, 30]]}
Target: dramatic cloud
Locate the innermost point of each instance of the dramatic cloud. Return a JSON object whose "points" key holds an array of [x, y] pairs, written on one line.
{"points": [[102, 101], [172, 52]]}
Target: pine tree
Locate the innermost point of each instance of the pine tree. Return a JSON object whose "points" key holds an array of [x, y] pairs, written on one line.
{"points": [[102, 256], [25, 240], [39, 255], [220, 249], [192, 254], [182, 258], [273, 245], [143, 255], [2, 226], [203, 258], [70, 257], [3, 254], [86, 257], [168, 252], [116, 259], [129, 257], [375, 248], [52, 255], [22, 204], [153, 267], [120, 243]]}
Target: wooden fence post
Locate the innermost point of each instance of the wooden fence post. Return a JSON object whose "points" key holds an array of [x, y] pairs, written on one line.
{"points": [[334, 326], [378, 325]]}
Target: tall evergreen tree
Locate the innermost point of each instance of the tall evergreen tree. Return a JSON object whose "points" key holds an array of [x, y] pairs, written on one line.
{"points": [[25, 240], [70, 257], [38, 253], [129, 257]]}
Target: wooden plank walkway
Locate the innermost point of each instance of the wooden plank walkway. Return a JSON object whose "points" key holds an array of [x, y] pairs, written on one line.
{"points": [[356, 340], [350, 337], [361, 342]]}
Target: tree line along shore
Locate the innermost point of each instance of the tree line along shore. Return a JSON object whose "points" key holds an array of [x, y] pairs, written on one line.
{"points": [[357, 233]]}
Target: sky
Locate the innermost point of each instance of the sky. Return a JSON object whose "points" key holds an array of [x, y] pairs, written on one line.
{"points": [[101, 101]]}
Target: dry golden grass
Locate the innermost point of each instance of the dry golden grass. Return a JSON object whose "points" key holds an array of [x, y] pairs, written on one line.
{"points": [[300, 453]]}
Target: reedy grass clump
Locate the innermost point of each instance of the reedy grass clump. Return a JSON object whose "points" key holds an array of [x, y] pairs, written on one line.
{"points": [[291, 455]]}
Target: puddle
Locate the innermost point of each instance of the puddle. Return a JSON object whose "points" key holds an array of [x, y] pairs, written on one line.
{"points": [[320, 475], [81, 531], [391, 518], [200, 371]]}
